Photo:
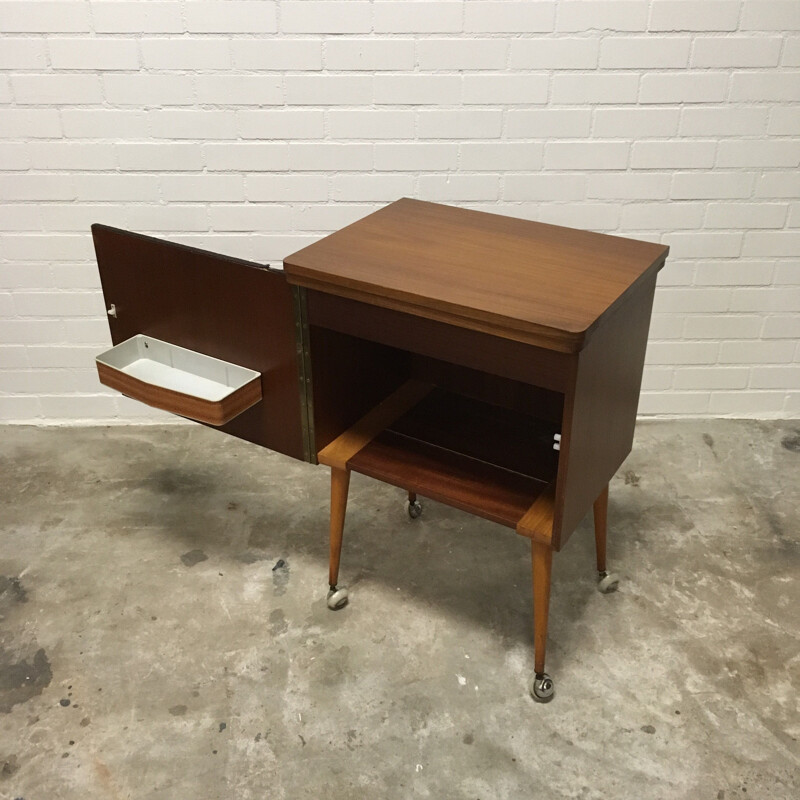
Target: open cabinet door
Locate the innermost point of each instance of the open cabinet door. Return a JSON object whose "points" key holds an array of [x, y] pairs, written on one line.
{"points": [[221, 307]]}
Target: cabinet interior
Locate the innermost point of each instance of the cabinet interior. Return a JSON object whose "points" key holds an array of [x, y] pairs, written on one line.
{"points": [[478, 441]]}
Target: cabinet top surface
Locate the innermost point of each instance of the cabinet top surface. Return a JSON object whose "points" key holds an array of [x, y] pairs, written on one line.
{"points": [[524, 280]]}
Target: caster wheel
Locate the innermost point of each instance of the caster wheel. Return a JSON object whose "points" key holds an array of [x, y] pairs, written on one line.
{"points": [[337, 598], [542, 688], [607, 582], [414, 509]]}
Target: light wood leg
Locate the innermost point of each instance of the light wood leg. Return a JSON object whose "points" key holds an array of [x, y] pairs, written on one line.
{"points": [[340, 483], [542, 561], [601, 528]]}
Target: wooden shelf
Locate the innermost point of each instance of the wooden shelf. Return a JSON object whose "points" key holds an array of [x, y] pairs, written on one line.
{"points": [[482, 459], [457, 480]]}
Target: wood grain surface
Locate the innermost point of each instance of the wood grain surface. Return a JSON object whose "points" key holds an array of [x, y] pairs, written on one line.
{"points": [[345, 446], [223, 307], [537, 522], [600, 411], [541, 284], [485, 490], [455, 345]]}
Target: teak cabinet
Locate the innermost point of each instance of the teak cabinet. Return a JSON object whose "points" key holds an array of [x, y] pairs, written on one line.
{"points": [[490, 363]]}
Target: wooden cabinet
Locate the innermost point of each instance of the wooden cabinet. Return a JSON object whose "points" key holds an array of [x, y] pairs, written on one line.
{"points": [[448, 352]]}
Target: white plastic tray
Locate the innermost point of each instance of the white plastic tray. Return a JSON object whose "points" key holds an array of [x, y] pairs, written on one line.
{"points": [[179, 380]]}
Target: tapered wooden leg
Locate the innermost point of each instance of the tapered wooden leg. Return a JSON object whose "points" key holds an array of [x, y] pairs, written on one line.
{"points": [[607, 582], [340, 483], [412, 497], [541, 687], [542, 558], [601, 528]]}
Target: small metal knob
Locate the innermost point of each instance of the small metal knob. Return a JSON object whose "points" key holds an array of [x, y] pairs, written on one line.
{"points": [[112, 311]]}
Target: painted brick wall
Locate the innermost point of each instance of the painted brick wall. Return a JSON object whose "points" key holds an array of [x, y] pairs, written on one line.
{"points": [[254, 127]]}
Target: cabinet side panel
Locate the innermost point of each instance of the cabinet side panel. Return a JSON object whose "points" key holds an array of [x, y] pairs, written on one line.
{"points": [[350, 377], [600, 411], [223, 307]]}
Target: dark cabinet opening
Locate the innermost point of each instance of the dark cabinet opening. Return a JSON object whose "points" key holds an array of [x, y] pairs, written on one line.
{"points": [[478, 441]]}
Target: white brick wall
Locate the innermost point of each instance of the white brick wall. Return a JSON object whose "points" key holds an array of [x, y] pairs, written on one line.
{"points": [[253, 127]]}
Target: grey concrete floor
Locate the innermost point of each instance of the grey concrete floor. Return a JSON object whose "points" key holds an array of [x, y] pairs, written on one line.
{"points": [[151, 648]]}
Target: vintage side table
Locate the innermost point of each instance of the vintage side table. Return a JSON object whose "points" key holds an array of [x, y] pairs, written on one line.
{"points": [[490, 363]]}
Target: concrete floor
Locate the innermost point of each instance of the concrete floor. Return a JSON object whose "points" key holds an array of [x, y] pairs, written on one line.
{"points": [[152, 649]]}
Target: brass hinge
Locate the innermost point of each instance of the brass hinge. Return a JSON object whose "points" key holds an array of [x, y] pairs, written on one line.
{"points": [[304, 373]]}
